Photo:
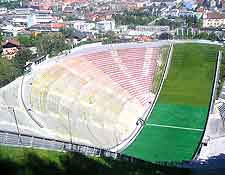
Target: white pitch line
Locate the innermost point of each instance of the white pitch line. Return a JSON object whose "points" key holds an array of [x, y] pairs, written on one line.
{"points": [[175, 127]]}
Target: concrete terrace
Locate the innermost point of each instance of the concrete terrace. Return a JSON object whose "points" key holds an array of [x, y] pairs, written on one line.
{"points": [[93, 96]]}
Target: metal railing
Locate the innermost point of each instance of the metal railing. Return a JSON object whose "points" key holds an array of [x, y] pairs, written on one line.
{"points": [[23, 140]]}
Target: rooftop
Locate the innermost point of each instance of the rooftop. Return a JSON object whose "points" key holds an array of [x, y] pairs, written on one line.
{"points": [[215, 15]]}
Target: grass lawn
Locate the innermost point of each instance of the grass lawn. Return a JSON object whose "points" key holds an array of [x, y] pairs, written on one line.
{"points": [[160, 69], [28, 161], [176, 125]]}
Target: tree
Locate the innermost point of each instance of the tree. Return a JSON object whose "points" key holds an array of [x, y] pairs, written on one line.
{"points": [[165, 36], [136, 17], [52, 44], [10, 5], [70, 18], [25, 40], [68, 32], [168, 22], [1, 39], [8, 71], [212, 36], [1, 36], [21, 58], [28, 41], [203, 35]]}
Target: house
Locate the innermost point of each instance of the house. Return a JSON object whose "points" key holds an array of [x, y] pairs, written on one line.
{"points": [[213, 20], [68, 9], [76, 37], [10, 48], [143, 38]]}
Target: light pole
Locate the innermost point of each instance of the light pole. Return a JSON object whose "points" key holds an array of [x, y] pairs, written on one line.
{"points": [[16, 121], [70, 132]]}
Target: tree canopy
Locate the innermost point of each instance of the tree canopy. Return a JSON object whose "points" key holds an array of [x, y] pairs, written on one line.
{"points": [[52, 44], [27, 41], [134, 18], [8, 71], [22, 57]]}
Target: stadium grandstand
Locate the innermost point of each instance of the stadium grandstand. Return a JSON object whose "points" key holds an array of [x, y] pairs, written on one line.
{"points": [[98, 96], [93, 96]]}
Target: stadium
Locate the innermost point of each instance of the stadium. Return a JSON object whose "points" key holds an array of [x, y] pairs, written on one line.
{"points": [[149, 101]]}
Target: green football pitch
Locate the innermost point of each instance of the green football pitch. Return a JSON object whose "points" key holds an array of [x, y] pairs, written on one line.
{"points": [[176, 125]]}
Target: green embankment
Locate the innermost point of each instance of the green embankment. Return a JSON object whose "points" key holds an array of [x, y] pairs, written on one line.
{"points": [[27, 161], [175, 127], [160, 69]]}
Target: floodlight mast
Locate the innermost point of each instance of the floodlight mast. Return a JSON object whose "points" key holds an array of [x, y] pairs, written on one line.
{"points": [[16, 121], [70, 131]]}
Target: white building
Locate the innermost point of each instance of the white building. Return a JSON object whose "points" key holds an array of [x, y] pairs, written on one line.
{"points": [[172, 13], [3, 11], [3, 1], [23, 11], [32, 19], [40, 19], [155, 29], [105, 26], [12, 30], [20, 20], [121, 29], [81, 25], [186, 13]]}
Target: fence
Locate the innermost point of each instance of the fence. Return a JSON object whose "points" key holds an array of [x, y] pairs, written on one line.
{"points": [[216, 80], [23, 140]]}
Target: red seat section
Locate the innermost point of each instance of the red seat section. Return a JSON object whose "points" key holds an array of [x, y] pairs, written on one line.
{"points": [[133, 69]]}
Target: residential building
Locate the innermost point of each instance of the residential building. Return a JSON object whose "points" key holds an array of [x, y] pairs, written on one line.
{"points": [[68, 9], [3, 11], [51, 27], [116, 6], [171, 13], [11, 31], [44, 4], [155, 29], [100, 16], [134, 5], [10, 48], [185, 13], [36, 17], [81, 25], [105, 26], [23, 11], [134, 33], [4, 1], [213, 19]]}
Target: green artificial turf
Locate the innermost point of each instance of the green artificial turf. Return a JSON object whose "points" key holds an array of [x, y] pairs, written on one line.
{"points": [[175, 127]]}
